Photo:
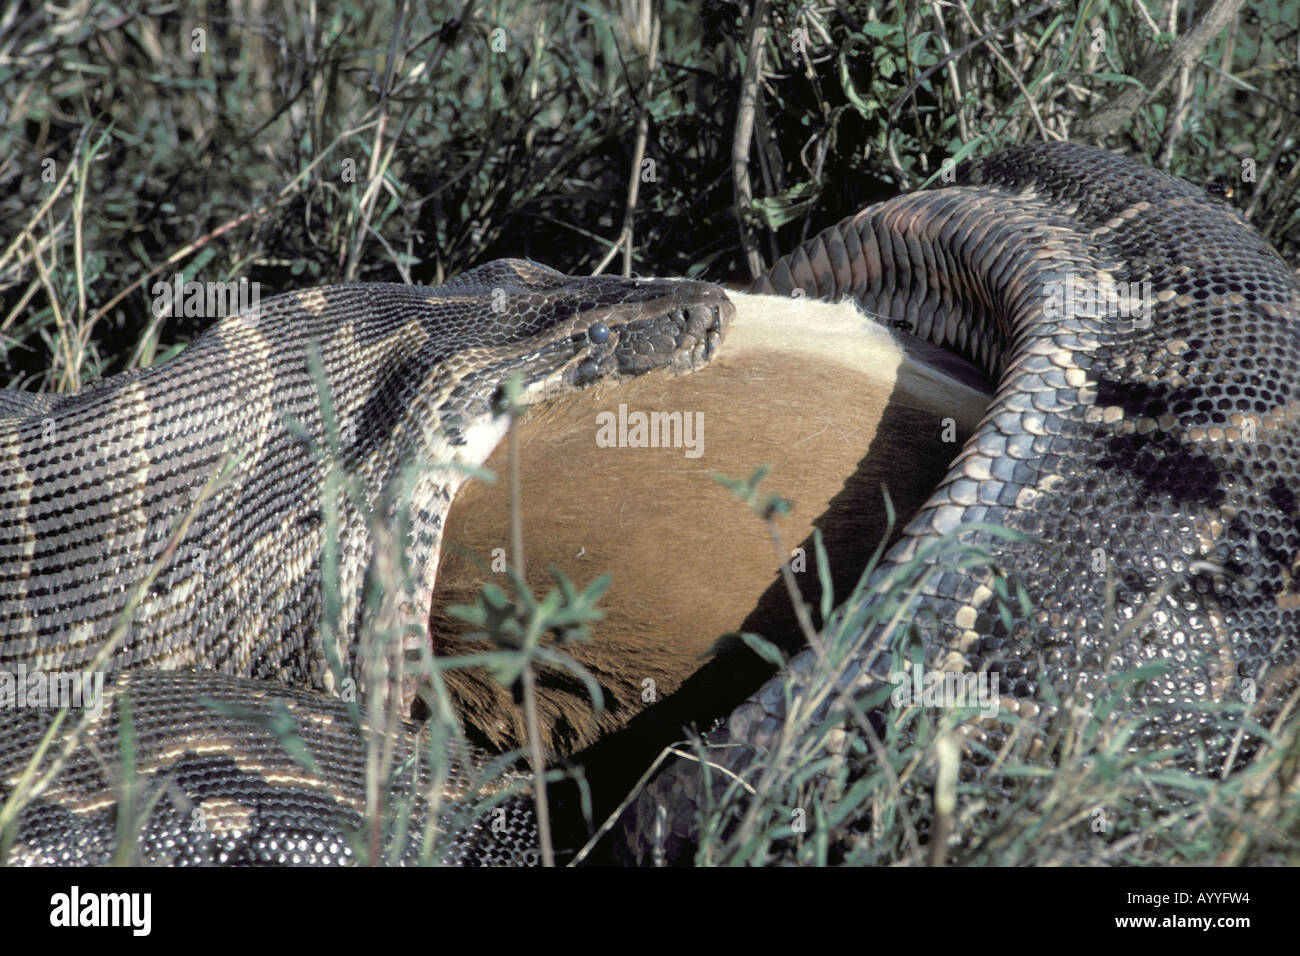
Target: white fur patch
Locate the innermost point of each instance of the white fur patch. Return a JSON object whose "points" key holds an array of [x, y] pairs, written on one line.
{"points": [[841, 333], [481, 437], [832, 332]]}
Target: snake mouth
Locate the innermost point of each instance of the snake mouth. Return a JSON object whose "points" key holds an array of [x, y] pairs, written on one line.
{"points": [[681, 332], [684, 338], [702, 327], [678, 328]]}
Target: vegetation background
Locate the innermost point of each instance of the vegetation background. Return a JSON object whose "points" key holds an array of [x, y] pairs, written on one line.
{"points": [[302, 143], [306, 142]]}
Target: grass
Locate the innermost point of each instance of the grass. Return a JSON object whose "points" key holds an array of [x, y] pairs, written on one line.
{"points": [[353, 144]]}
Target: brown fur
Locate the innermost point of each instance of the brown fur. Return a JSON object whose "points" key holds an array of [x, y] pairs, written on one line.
{"points": [[689, 561]]}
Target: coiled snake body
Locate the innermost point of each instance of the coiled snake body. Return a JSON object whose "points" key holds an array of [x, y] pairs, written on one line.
{"points": [[1161, 445]]}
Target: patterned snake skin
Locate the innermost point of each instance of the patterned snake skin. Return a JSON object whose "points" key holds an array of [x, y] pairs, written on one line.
{"points": [[109, 504], [1165, 445], [219, 786]]}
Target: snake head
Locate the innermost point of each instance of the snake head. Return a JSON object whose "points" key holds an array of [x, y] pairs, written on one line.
{"points": [[562, 333], [644, 324]]}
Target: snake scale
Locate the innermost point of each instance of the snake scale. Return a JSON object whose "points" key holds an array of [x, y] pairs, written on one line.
{"points": [[1163, 446]]}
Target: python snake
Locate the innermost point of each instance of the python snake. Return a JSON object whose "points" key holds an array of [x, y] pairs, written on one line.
{"points": [[195, 497], [1166, 447]]}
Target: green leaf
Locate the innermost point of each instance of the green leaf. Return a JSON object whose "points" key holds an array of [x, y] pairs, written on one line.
{"points": [[279, 722], [763, 648]]}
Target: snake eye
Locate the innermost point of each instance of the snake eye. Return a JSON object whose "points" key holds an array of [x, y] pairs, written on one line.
{"points": [[588, 371], [599, 333]]}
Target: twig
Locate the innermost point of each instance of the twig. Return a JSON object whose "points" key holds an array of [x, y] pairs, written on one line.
{"points": [[744, 132], [528, 679], [377, 168], [648, 22], [286, 195], [958, 96], [905, 181]]}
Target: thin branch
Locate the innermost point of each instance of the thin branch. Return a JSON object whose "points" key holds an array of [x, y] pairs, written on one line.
{"points": [[1112, 115], [756, 31]]}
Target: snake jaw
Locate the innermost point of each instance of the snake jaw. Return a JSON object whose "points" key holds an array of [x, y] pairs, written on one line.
{"points": [[608, 329], [681, 331], [706, 325], [684, 339]]}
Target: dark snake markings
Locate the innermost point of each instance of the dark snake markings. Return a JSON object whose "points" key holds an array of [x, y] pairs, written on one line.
{"points": [[1171, 449]]}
